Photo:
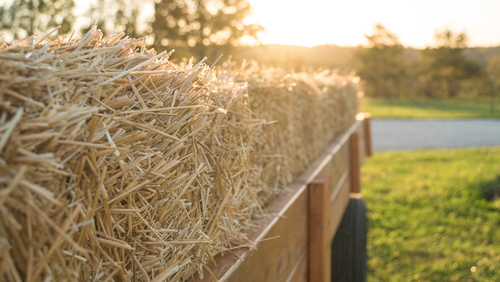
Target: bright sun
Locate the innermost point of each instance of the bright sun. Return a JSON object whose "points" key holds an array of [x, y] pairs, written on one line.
{"points": [[315, 22]]}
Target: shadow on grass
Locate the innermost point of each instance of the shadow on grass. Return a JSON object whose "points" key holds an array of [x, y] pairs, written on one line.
{"points": [[491, 189]]}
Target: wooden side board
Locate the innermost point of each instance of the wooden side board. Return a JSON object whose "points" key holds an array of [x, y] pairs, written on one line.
{"points": [[283, 240], [282, 248], [301, 271]]}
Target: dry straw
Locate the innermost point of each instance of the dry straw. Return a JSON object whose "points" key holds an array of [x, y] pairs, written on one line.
{"points": [[117, 165]]}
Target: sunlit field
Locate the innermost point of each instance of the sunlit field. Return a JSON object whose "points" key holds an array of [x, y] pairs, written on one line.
{"points": [[430, 108], [428, 216]]}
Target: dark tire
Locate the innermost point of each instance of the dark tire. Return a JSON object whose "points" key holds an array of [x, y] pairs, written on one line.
{"points": [[349, 244]]}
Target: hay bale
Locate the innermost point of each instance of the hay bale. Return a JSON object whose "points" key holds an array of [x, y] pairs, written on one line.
{"points": [[117, 164], [311, 109]]}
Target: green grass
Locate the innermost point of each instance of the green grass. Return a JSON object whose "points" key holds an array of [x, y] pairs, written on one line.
{"points": [[429, 108], [427, 216]]}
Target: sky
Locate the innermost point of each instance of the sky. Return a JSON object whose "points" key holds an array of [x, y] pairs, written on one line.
{"points": [[344, 23]]}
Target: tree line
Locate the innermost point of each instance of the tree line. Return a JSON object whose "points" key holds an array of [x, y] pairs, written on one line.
{"points": [[442, 70], [191, 27], [448, 68]]}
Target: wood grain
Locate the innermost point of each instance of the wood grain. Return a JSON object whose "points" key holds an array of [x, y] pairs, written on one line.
{"points": [[300, 272]]}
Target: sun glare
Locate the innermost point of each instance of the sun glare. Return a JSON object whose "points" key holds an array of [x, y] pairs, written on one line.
{"points": [[315, 22]]}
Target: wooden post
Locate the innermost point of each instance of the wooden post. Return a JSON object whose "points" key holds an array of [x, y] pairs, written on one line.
{"points": [[319, 243], [355, 163], [368, 135]]}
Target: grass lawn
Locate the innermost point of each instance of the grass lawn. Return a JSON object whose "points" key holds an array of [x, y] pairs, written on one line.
{"points": [[427, 216], [430, 108]]}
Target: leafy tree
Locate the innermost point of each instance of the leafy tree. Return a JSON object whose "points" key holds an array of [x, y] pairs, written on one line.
{"points": [[493, 70], [191, 27], [203, 27], [121, 16], [494, 67], [445, 67], [381, 66], [23, 18]]}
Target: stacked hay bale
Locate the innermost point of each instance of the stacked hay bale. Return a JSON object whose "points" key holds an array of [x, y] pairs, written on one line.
{"points": [[119, 165], [311, 109]]}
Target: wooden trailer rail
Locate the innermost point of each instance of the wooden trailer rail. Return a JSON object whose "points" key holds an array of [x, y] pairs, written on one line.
{"points": [[294, 243]]}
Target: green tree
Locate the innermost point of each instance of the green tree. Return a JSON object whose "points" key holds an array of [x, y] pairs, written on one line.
{"points": [[494, 67], [444, 68], [23, 18], [493, 70], [203, 27], [381, 66], [121, 16]]}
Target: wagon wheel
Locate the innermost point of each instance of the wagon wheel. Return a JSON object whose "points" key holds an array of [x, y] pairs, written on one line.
{"points": [[349, 244]]}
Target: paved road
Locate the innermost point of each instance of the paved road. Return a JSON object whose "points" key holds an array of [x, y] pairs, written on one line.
{"points": [[397, 134]]}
